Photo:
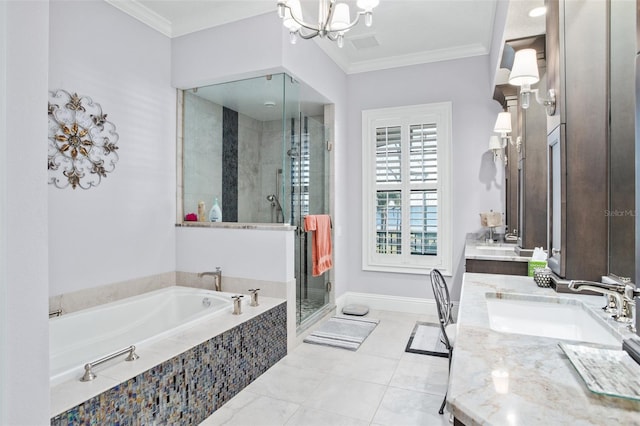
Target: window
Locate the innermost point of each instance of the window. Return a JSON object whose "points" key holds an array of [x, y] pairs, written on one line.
{"points": [[407, 189]]}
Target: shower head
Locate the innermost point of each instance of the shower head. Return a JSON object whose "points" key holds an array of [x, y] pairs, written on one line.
{"points": [[271, 198]]}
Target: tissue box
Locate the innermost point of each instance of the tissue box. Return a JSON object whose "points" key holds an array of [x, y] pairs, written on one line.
{"points": [[533, 264]]}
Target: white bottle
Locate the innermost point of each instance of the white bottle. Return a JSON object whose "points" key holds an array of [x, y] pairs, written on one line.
{"points": [[215, 214]]}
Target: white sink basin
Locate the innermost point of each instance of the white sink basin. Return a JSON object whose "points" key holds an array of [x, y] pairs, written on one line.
{"points": [[497, 247], [566, 319]]}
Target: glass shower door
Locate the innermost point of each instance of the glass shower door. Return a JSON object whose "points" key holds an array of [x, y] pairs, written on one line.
{"points": [[309, 195]]}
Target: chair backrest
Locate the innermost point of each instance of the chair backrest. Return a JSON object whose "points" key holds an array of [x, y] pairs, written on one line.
{"points": [[443, 301]]}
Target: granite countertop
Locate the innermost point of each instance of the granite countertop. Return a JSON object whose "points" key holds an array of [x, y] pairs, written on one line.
{"points": [[478, 249], [513, 379]]}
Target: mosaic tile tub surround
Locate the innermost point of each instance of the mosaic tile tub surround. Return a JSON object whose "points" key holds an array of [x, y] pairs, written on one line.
{"points": [[187, 388]]}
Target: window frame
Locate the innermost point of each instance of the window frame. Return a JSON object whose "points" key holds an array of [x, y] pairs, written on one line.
{"points": [[439, 114]]}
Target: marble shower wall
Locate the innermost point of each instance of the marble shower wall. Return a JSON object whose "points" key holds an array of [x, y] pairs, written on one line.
{"points": [[202, 151], [233, 157]]}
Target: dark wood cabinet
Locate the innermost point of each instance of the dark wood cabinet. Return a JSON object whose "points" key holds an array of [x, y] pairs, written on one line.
{"points": [[577, 70], [500, 267]]}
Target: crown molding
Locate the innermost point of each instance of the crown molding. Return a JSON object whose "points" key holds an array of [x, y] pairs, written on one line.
{"points": [[144, 15], [439, 55]]}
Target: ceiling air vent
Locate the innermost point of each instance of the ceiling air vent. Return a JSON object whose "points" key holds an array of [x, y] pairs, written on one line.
{"points": [[366, 42]]}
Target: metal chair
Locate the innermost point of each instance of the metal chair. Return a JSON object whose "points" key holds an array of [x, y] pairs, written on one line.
{"points": [[447, 326]]}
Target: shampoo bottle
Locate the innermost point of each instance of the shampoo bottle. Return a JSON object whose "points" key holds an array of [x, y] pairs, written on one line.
{"points": [[215, 214], [201, 211]]}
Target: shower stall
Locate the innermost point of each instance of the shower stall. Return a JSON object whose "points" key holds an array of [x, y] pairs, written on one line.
{"points": [[274, 163]]}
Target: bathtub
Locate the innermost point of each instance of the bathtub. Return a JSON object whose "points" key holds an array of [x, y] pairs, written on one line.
{"points": [[84, 336]]}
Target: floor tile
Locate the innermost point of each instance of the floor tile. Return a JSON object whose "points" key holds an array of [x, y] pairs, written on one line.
{"points": [[311, 417], [316, 357], [424, 373], [252, 409], [401, 407], [365, 367], [287, 383], [347, 397], [378, 385]]}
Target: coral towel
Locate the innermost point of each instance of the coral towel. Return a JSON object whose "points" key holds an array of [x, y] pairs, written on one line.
{"points": [[320, 224]]}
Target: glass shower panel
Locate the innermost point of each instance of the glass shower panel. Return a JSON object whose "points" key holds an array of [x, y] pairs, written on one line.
{"points": [[309, 166]]}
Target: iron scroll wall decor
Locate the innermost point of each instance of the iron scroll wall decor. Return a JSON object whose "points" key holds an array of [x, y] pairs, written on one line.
{"points": [[82, 143]]}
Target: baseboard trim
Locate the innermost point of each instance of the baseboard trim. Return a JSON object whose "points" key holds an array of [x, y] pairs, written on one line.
{"points": [[411, 305]]}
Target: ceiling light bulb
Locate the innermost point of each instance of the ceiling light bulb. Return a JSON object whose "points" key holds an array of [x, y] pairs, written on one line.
{"points": [[368, 19]]}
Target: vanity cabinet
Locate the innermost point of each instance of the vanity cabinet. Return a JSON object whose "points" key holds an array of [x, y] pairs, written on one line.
{"points": [[577, 70], [498, 267]]}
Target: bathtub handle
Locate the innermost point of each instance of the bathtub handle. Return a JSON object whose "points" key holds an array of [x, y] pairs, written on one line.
{"points": [[90, 375], [254, 296]]}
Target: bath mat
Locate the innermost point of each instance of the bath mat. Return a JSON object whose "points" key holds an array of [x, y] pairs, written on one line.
{"points": [[426, 339], [343, 332]]}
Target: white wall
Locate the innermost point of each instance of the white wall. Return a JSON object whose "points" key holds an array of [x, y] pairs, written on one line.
{"points": [[24, 53], [476, 178], [124, 228], [241, 253]]}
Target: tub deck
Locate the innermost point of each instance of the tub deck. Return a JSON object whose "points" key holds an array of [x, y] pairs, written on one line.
{"points": [[69, 394]]}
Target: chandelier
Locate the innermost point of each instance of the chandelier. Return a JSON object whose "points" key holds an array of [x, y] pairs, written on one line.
{"points": [[334, 19]]}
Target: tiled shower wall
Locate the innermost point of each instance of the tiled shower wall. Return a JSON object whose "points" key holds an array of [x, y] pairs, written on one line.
{"points": [[186, 389], [233, 157]]}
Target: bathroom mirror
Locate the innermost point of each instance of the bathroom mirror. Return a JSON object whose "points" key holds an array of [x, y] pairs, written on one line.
{"points": [[240, 148], [526, 166]]}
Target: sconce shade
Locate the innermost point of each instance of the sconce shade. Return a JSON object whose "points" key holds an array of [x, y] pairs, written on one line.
{"points": [[495, 142], [525, 68], [503, 123]]}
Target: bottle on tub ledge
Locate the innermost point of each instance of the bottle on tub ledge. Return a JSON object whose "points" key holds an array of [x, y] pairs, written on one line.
{"points": [[215, 214], [202, 210]]}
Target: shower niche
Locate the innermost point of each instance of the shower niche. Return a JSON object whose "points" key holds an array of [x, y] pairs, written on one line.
{"points": [[259, 147]]}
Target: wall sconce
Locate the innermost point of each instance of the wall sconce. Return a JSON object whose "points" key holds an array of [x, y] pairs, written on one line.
{"points": [[497, 145], [503, 126], [524, 74]]}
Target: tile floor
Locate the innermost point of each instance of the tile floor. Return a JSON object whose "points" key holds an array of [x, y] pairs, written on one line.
{"points": [[379, 384]]}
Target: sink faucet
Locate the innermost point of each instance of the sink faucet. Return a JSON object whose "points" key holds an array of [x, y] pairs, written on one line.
{"points": [[217, 278], [622, 295]]}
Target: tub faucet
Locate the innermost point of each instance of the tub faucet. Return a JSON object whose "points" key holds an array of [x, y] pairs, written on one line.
{"points": [[217, 278], [254, 296], [237, 304], [622, 296]]}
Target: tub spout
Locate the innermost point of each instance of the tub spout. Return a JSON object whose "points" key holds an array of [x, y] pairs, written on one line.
{"points": [[217, 278]]}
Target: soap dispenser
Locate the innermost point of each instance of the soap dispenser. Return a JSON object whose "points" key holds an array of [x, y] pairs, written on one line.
{"points": [[215, 214]]}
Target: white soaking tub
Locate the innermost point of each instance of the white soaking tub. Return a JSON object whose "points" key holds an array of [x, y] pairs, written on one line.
{"points": [[87, 335]]}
